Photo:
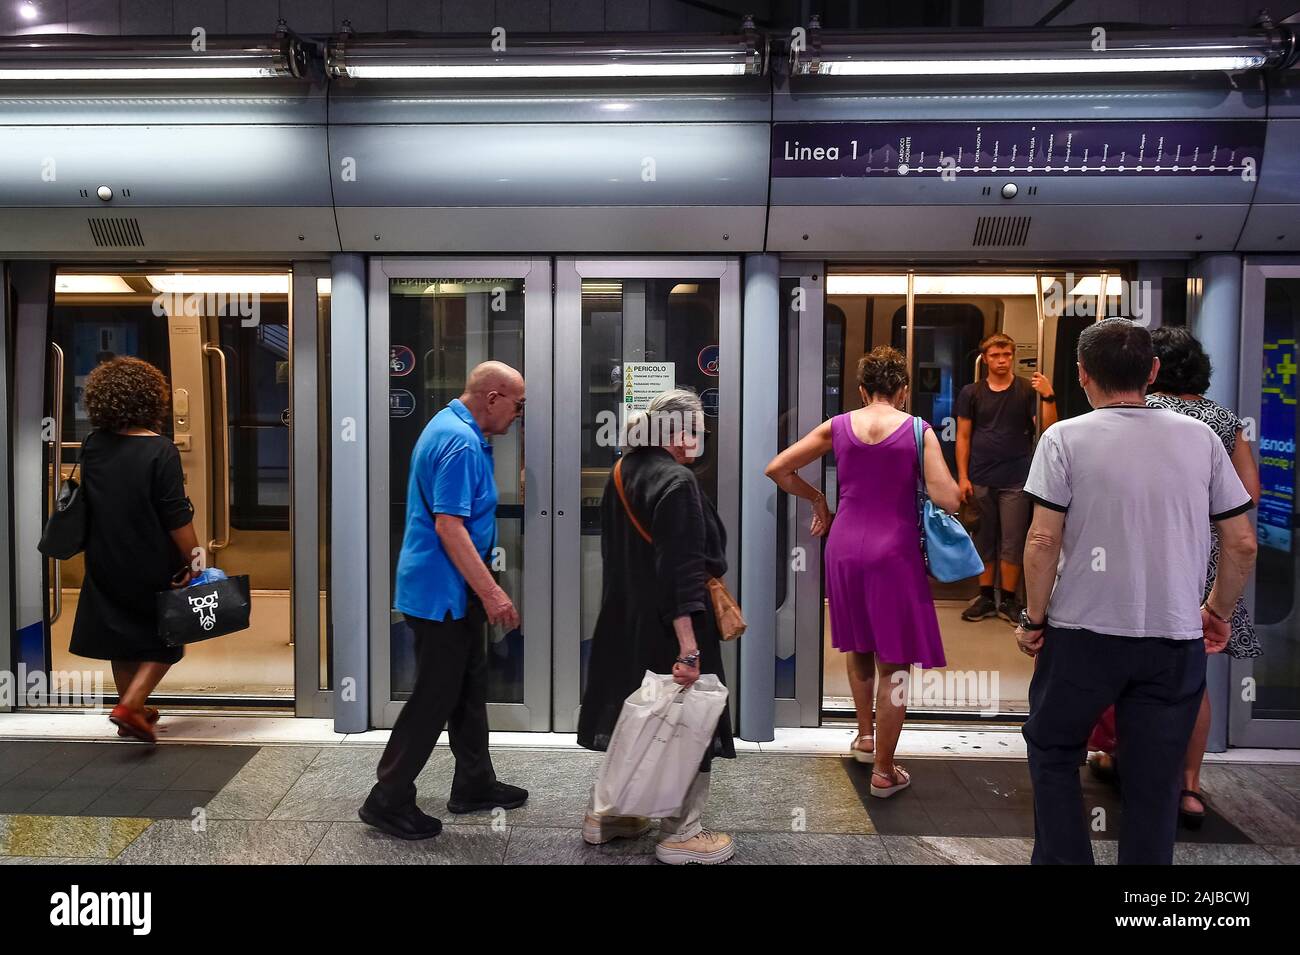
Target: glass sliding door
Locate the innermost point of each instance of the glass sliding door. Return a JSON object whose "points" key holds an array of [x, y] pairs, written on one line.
{"points": [[626, 330], [810, 351], [432, 321], [1265, 691]]}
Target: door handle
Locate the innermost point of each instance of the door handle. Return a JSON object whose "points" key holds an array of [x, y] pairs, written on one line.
{"points": [[56, 606], [221, 513]]}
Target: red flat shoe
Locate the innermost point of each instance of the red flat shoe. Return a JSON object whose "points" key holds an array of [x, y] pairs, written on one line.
{"points": [[150, 713], [133, 723]]}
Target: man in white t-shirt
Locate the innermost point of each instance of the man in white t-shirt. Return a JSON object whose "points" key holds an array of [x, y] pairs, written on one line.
{"points": [[1114, 570]]}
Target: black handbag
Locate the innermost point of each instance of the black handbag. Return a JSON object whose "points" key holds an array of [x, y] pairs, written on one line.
{"points": [[65, 532], [203, 611]]}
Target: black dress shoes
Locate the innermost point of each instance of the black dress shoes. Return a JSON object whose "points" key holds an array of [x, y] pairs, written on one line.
{"points": [[408, 822], [498, 796]]}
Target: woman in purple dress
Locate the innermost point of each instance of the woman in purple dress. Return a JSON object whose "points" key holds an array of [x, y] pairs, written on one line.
{"points": [[882, 614]]}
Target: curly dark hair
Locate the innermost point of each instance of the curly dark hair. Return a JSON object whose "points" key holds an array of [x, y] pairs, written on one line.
{"points": [[126, 393], [883, 371], [1184, 366]]}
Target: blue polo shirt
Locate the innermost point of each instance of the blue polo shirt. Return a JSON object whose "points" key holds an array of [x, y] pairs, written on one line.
{"points": [[451, 473]]}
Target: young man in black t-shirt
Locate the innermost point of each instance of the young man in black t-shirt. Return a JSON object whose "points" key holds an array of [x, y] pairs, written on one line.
{"points": [[996, 423]]}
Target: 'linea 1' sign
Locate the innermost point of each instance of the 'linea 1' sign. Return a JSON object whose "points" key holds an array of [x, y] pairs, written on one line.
{"points": [[1066, 148]]}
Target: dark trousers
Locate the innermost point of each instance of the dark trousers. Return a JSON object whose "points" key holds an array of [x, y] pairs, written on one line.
{"points": [[1156, 687], [450, 690]]}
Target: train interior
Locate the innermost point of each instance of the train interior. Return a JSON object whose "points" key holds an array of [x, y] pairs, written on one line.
{"points": [[223, 341], [953, 313]]}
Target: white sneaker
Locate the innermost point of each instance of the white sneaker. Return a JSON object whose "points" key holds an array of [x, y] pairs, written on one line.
{"points": [[597, 830], [707, 848]]}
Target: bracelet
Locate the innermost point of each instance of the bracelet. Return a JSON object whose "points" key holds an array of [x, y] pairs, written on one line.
{"points": [[1210, 610], [690, 660]]}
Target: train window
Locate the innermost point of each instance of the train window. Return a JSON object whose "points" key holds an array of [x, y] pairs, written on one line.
{"points": [[91, 332], [257, 356]]}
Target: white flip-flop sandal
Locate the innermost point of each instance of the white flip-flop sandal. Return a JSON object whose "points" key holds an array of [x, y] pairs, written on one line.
{"points": [[866, 757], [884, 792]]}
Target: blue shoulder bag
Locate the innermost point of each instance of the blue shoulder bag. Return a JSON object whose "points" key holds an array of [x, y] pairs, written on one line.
{"points": [[947, 548]]}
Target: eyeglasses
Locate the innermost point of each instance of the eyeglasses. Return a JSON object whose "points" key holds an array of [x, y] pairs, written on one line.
{"points": [[519, 402]]}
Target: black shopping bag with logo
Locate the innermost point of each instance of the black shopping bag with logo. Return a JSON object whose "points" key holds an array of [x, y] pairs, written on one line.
{"points": [[203, 611]]}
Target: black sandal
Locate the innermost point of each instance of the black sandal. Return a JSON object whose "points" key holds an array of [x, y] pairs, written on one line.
{"points": [[1191, 820]]}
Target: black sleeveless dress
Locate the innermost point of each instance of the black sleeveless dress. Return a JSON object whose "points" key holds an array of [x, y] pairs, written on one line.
{"points": [[135, 492]]}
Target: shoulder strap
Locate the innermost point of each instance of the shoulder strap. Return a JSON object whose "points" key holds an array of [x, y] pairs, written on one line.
{"points": [[918, 433], [627, 508]]}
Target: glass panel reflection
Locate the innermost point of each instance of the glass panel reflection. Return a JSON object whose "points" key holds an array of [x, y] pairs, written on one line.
{"points": [[440, 328], [625, 323]]}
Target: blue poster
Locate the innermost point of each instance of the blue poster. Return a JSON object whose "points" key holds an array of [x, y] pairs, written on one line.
{"points": [[1277, 433]]}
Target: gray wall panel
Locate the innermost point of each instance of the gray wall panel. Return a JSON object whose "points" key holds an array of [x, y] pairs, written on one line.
{"points": [[150, 104], [163, 166], [1176, 97], [208, 14], [533, 229], [676, 101], [228, 231], [551, 165], [905, 230], [96, 17]]}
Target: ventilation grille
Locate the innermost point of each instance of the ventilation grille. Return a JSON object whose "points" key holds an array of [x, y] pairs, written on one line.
{"points": [[1001, 232], [116, 233]]}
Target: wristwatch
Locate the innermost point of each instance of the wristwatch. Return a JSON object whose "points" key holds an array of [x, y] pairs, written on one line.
{"points": [[1027, 624], [1047, 399], [689, 660]]}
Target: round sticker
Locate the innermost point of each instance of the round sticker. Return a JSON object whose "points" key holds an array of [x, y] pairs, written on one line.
{"points": [[709, 399], [708, 360], [401, 403], [401, 360]]}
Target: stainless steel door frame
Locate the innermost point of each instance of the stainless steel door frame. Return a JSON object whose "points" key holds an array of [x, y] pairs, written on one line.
{"points": [[1244, 729], [535, 712], [802, 608], [567, 443], [304, 500], [6, 493]]}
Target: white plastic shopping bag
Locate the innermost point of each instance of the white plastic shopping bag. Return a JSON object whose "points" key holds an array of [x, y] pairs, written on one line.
{"points": [[657, 746]]}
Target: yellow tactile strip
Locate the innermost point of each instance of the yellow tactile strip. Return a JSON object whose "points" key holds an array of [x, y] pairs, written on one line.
{"points": [[92, 837]]}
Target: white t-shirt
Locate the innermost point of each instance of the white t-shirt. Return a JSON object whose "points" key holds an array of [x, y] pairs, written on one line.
{"points": [[1139, 487]]}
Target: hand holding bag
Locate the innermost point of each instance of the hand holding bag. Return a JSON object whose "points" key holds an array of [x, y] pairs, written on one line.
{"points": [[64, 536], [201, 611], [949, 553], [731, 622], [655, 752]]}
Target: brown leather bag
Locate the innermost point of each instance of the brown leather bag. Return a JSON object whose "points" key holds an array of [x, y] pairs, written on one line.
{"points": [[731, 623]]}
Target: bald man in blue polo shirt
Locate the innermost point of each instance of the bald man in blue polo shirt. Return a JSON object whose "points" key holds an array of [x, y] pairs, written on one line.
{"points": [[446, 592]]}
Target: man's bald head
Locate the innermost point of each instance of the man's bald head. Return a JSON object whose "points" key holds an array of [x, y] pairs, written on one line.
{"points": [[494, 395], [493, 376]]}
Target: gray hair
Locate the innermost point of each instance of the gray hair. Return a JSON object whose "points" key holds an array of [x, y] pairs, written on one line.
{"points": [[669, 414]]}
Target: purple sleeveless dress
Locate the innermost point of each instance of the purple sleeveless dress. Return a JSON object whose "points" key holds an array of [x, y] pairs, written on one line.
{"points": [[875, 576]]}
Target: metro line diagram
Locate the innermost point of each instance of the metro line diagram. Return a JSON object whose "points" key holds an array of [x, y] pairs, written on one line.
{"points": [[853, 150]]}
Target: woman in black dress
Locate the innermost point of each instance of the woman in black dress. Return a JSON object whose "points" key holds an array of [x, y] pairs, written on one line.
{"points": [[140, 536], [656, 613]]}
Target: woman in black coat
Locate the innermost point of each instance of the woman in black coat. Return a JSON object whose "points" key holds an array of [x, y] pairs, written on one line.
{"points": [[140, 535], [656, 613]]}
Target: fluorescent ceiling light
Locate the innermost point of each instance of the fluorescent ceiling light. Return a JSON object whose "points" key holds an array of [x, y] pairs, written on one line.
{"points": [[252, 283], [138, 73], [934, 284], [73, 284], [602, 288], [1091, 285], [1066, 65], [324, 286], [397, 71], [685, 288]]}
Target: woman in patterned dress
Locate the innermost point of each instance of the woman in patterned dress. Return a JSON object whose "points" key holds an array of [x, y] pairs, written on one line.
{"points": [[1180, 386]]}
